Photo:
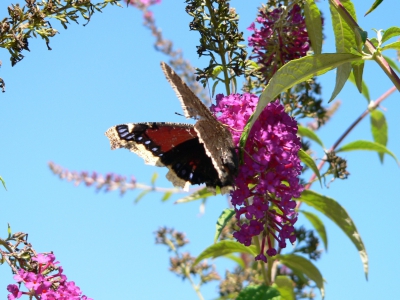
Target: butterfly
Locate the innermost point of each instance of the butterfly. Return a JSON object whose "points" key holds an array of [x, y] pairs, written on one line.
{"points": [[194, 154]]}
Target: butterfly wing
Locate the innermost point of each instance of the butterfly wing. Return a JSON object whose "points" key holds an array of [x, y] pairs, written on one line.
{"points": [[173, 145], [216, 138]]}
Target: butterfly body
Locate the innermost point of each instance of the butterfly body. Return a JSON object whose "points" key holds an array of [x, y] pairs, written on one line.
{"points": [[194, 154]]}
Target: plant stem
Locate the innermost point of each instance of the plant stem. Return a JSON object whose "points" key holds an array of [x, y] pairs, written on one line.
{"points": [[371, 48], [351, 127], [221, 49], [267, 279]]}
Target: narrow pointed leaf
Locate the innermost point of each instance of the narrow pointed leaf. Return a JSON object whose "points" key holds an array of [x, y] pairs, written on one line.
{"points": [[154, 178], [345, 41], [390, 32], [379, 129], [223, 248], [259, 292], [307, 132], [166, 196], [236, 259], [365, 91], [302, 265], [141, 195], [391, 63], [308, 161], [345, 38], [285, 287], [314, 25], [223, 219], [216, 71], [334, 211], [358, 70], [394, 45], [374, 6], [374, 42], [318, 225], [366, 145], [342, 74], [362, 34], [234, 84], [294, 72], [198, 195], [3, 182], [214, 87]]}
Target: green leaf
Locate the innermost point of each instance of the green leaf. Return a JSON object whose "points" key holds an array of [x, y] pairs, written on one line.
{"points": [[216, 71], [258, 292], [154, 178], [394, 45], [223, 248], [198, 195], [223, 219], [308, 161], [391, 63], [366, 145], [358, 70], [345, 41], [334, 211], [345, 37], [3, 182], [302, 265], [236, 259], [363, 35], [285, 287], [234, 83], [374, 42], [141, 195], [342, 74], [214, 87], [307, 132], [375, 5], [318, 225], [390, 32], [314, 25], [166, 196], [365, 91], [379, 129], [295, 71]]}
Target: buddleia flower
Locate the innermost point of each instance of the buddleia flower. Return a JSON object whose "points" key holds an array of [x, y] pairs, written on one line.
{"points": [[268, 179]]}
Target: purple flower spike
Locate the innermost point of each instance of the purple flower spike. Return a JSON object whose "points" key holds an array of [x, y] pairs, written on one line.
{"points": [[281, 38], [268, 179]]}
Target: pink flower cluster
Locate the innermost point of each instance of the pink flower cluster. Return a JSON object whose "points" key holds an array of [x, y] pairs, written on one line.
{"points": [[282, 37], [44, 285], [268, 178], [145, 3]]}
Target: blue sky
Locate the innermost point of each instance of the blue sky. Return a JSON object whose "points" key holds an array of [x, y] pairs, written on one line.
{"points": [[57, 107]]}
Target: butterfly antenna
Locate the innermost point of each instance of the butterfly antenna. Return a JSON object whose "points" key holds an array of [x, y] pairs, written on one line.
{"points": [[185, 116]]}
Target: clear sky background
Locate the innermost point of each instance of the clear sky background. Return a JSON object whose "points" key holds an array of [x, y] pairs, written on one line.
{"points": [[59, 103]]}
